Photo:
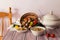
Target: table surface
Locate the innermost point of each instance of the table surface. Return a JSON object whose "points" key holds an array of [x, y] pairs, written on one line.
{"points": [[13, 35]]}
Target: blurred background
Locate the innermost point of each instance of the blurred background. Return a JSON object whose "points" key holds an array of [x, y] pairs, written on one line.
{"points": [[20, 7]]}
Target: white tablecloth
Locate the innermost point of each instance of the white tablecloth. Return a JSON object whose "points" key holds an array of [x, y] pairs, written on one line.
{"points": [[13, 35]]}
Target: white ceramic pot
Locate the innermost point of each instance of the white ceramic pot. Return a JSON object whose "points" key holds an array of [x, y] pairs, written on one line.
{"points": [[37, 33], [50, 20]]}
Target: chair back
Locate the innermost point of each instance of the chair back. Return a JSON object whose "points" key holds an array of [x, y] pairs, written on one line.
{"points": [[3, 15]]}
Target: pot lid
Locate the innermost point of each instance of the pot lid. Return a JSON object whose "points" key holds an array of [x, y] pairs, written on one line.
{"points": [[50, 16]]}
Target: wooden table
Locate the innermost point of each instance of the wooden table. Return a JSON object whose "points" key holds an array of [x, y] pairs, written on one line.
{"points": [[13, 35]]}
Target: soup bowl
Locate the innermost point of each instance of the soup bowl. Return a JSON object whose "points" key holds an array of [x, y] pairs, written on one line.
{"points": [[37, 30]]}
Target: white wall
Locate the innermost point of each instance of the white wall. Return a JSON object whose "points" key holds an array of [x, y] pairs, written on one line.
{"points": [[31, 5], [40, 7]]}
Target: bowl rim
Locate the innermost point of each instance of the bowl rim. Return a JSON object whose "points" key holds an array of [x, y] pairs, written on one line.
{"points": [[37, 27]]}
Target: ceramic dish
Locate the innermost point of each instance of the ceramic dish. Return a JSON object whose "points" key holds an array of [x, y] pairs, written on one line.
{"points": [[29, 14], [28, 19], [21, 29], [38, 30], [50, 20]]}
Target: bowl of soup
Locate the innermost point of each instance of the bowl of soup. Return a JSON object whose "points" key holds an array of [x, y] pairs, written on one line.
{"points": [[38, 30]]}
